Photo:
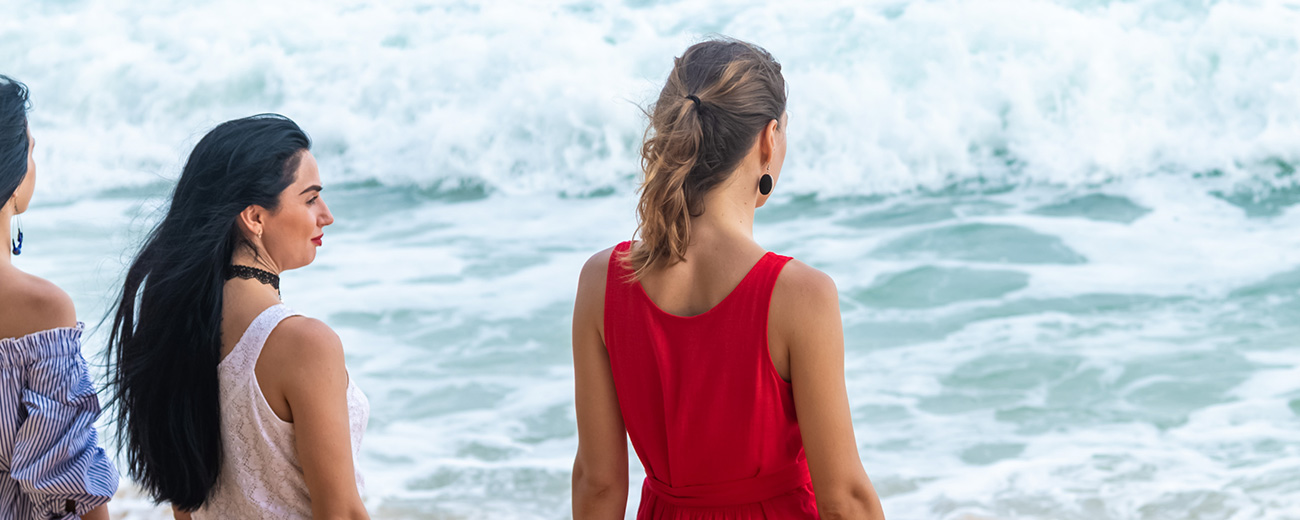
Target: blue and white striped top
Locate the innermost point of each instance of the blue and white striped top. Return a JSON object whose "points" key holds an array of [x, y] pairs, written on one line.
{"points": [[51, 464]]}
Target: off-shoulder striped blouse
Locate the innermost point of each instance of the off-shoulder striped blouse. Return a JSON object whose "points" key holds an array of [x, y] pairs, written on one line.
{"points": [[51, 464]]}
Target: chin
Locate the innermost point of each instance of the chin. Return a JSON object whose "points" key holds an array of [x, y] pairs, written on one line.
{"points": [[289, 266]]}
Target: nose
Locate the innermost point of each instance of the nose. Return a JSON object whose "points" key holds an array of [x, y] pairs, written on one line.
{"points": [[326, 217]]}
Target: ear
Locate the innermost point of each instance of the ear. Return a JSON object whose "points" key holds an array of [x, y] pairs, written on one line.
{"points": [[252, 220], [767, 141]]}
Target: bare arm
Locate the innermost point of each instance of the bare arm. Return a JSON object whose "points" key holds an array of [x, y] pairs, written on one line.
{"points": [[807, 305], [98, 513], [315, 381], [600, 468]]}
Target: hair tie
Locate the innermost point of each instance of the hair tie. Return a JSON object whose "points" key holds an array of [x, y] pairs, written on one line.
{"points": [[695, 99]]}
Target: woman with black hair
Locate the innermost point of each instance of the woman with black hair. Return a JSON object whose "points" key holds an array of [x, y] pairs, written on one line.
{"points": [[231, 405], [51, 464]]}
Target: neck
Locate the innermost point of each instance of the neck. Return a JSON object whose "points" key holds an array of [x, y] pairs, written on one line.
{"points": [[729, 210], [243, 256]]}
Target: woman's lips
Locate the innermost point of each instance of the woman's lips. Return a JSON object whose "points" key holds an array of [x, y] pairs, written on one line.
{"points": [[317, 240]]}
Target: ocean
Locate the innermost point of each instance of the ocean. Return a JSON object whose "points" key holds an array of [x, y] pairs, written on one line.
{"points": [[1065, 232]]}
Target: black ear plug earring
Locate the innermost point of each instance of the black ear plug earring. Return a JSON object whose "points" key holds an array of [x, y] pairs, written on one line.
{"points": [[765, 183]]}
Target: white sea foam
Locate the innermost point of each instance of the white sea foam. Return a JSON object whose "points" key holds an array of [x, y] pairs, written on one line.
{"points": [[536, 96], [1144, 369]]}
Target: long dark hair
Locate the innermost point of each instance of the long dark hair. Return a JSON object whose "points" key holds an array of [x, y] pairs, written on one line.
{"points": [[718, 97], [166, 337], [13, 136]]}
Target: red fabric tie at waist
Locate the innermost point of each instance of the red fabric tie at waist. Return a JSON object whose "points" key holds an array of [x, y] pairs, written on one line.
{"points": [[736, 492]]}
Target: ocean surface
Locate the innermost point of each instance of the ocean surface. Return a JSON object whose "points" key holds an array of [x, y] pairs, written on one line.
{"points": [[1065, 233]]}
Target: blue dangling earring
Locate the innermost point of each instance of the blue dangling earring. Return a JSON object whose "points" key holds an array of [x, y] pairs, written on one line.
{"points": [[18, 244]]}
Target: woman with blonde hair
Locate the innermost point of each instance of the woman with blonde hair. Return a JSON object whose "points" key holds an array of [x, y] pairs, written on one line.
{"points": [[723, 362]]}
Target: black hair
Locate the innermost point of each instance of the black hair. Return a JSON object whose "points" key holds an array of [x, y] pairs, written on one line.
{"points": [[13, 136], [166, 338]]}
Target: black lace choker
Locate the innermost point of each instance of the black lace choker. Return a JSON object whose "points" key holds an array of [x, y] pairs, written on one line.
{"points": [[253, 273]]}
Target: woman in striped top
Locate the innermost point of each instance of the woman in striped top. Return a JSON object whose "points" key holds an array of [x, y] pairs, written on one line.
{"points": [[51, 464]]}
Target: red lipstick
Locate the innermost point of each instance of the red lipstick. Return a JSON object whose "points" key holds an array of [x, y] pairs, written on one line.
{"points": [[317, 240]]}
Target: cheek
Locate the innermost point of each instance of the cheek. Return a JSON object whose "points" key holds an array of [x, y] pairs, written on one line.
{"points": [[308, 223], [294, 230], [298, 221]]}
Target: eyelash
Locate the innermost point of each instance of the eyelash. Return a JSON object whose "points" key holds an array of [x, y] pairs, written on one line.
{"points": [[312, 200]]}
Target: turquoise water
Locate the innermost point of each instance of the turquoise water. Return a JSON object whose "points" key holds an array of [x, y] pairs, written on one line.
{"points": [[1064, 233], [1037, 353]]}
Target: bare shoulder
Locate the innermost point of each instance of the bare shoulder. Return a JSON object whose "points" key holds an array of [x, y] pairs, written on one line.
{"points": [[597, 267], [33, 304], [591, 283], [306, 343], [802, 286], [589, 305], [48, 300], [805, 308]]}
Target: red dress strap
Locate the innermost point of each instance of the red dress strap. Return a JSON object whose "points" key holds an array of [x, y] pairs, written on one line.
{"points": [[619, 282]]}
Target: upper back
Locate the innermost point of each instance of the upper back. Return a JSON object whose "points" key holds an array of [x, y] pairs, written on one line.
{"points": [[273, 342], [700, 396], [30, 304], [264, 347], [700, 283], [259, 470]]}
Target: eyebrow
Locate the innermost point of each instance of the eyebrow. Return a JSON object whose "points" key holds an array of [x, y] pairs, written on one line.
{"points": [[316, 187]]}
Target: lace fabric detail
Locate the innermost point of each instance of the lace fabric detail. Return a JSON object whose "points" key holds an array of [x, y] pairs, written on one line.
{"points": [[260, 473]]}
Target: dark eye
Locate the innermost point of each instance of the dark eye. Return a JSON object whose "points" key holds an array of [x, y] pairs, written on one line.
{"points": [[312, 200]]}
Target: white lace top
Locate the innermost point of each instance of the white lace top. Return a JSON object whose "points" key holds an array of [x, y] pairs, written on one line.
{"points": [[260, 473]]}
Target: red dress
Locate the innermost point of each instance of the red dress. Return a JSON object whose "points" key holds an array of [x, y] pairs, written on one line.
{"points": [[711, 420]]}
